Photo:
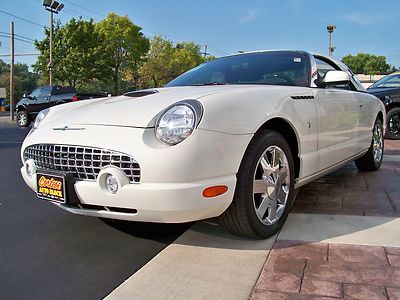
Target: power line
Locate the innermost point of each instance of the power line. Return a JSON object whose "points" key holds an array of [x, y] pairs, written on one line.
{"points": [[20, 18], [16, 38], [85, 8], [75, 13], [17, 35]]}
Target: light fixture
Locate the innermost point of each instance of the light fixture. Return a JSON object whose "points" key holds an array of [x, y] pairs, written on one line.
{"points": [[53, 6]]}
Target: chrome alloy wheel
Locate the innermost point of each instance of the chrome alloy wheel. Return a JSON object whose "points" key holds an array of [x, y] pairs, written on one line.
{"points": [[271, 185], [22, 119], [377, 142]]}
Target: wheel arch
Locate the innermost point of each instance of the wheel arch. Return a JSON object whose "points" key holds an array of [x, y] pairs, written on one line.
{"points": [[392, 105], [20, 108], [286, 129]]}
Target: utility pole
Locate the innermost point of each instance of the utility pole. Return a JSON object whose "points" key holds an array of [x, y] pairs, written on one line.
{"points": [[205, 53], [12, 72], [51, 49]]}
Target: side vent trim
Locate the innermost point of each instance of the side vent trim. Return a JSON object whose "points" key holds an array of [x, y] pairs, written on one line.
{"points": [[302, 97], [136, 94]]}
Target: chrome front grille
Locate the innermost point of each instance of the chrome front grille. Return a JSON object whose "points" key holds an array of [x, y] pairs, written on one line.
{"points": [[83, 162]]}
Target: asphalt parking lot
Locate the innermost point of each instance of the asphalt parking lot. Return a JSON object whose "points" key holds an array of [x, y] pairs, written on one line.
{"points": [[46, 253]]}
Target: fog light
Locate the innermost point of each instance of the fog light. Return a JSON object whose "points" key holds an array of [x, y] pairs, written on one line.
{"points": [[30, 168], [111, 184]]}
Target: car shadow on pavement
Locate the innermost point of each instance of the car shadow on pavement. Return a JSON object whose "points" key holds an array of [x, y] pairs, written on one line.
{"points": [[163, 233]]}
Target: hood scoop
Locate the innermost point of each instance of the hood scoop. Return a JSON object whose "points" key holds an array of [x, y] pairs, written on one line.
{"points": [[137, 94]]}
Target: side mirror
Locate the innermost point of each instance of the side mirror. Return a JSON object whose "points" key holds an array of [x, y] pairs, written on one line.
{"points": [[335, 78]]}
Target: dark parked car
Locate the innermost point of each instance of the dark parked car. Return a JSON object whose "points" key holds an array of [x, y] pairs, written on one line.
{"points": [[388, 90], [44, 97]]}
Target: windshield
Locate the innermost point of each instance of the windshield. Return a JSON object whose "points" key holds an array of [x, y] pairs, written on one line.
{"points": [[389, 81], [270, 68]]}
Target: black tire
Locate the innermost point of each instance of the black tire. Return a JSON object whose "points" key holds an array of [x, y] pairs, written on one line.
{"points": [[393, 124], [372, 160], [23, 119], [241, 217]]}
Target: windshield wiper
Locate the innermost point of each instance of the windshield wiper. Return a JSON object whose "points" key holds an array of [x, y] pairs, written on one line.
{"points": [[209, 83]]}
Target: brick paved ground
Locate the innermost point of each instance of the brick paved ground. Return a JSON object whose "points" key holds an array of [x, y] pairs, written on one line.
{"points": [[301, 270], [350, 192], [296, 270]]}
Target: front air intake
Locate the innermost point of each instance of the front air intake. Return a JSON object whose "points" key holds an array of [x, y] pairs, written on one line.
{"points": [[83, 163]]}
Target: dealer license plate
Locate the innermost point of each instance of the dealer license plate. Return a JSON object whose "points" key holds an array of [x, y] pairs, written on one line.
{"points": [[51, 187]]}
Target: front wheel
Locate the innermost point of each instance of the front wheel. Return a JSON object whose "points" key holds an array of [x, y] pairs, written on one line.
{"points": [[264, 189], [372, 160], [23, 119], [393, 124]]}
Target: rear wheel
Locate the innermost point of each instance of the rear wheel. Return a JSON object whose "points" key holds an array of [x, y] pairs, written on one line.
{"points": [[264, 189], [23, 119], [372, 160], [393, 124]]}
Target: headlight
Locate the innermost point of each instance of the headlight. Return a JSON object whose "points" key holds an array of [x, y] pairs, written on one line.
{"points": [[39, 118], [178, 122]]}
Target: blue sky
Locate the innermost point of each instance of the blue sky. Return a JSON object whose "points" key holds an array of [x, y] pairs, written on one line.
{"points": [[229, 26]]}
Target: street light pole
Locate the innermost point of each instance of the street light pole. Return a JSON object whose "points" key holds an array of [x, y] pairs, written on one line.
{"points": [[54, 7], [51, 49], [331, 28], [12, 72]]}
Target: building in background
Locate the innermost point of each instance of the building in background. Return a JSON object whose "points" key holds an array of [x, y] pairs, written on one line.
{"points": [[2, 98]]}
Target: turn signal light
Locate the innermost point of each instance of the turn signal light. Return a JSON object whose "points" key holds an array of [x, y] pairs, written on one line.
{"points": [[215, 191]]}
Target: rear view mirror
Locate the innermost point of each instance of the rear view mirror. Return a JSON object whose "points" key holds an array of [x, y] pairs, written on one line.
{"points": [[335, 78]]}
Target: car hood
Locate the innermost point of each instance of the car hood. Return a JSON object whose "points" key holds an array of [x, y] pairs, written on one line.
{"points": [[140, 109], [383, 91]]}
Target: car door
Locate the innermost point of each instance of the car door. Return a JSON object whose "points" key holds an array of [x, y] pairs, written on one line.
{"points": [[338, 120], [41, 99]]}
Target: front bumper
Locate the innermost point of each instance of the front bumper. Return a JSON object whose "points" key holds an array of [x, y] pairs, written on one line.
{"points": [[172, 178], [151, 202]]}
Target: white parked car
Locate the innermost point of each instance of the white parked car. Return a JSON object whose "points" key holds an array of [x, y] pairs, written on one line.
{"points": [[232, 138]]}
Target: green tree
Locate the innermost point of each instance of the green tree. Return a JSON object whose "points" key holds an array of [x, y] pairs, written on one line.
{"points": [[364, 63], [77, 53], [24, 80], [165, 61], [124, 47]]}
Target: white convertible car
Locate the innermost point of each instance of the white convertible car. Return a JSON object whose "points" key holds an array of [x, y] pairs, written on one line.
{"points": [[232, 138]]}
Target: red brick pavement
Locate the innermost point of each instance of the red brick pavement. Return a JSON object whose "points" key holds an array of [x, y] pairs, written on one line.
{"points": [[299, 270], [350, 192]]}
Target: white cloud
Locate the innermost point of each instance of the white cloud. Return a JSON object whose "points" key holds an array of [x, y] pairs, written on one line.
{"points": [[359, 19], [249, 16], [367, 19]]}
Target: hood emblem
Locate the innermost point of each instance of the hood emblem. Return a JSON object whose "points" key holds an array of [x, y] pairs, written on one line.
{"points": [[68, 128]]}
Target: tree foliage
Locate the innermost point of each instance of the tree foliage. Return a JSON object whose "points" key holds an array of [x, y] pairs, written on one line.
{"points": [[364, 63], [165, 61], [124, 47], [77, 52], [88, 54], [24, 80]]}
